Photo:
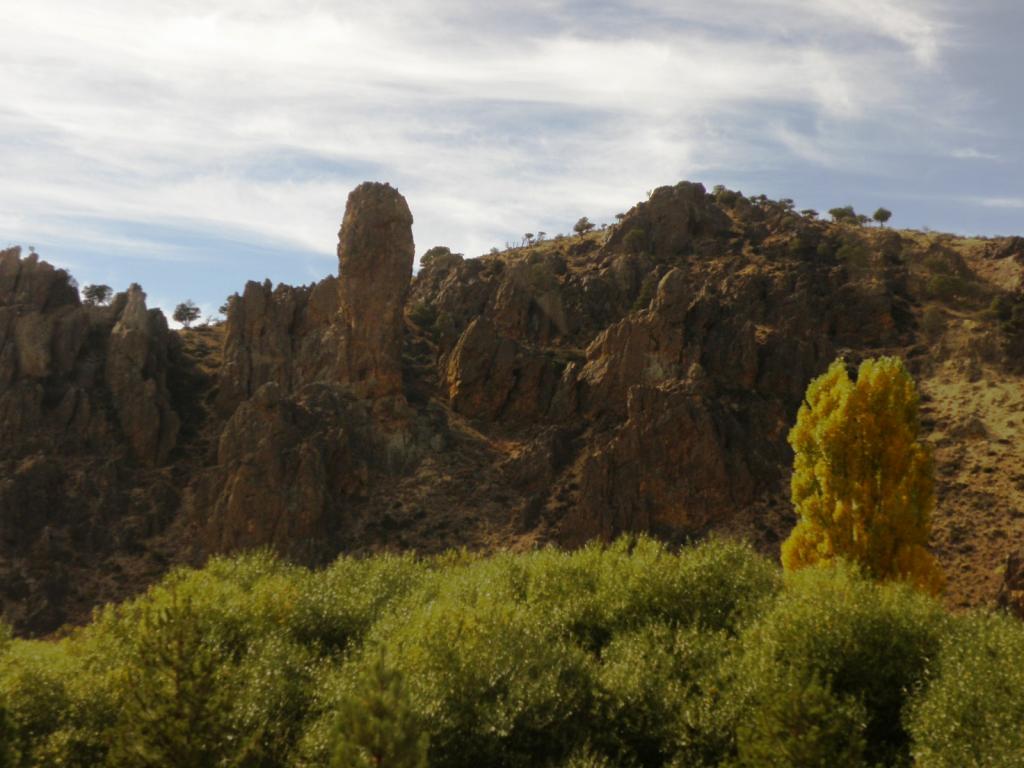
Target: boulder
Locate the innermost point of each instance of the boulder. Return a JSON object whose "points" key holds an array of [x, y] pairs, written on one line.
{"points": [[492, 377]]}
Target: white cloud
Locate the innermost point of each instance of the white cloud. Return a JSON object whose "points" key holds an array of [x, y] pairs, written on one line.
{"points": [[492, 119], [970, 153], [999, 202]]}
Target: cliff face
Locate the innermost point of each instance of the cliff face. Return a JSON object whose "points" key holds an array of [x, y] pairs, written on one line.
{"points": [[638, 379]]}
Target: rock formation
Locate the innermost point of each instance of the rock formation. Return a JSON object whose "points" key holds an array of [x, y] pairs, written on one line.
{"points": [[281, 335], [282, 464], [375, 256], [637, 379], [136, 376]]}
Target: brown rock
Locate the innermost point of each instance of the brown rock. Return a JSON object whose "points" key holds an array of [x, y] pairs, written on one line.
{"points": [[281, 335], [282, 462], [671, 220], [1011, 591], [375, 257], [136, 376], [672, 467], [481, 371]]}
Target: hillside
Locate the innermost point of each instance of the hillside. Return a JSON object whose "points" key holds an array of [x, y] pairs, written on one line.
{"points": [[637, 379]]}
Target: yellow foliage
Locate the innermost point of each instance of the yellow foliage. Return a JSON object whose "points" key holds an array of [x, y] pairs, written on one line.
{"points": [[863, 484]]}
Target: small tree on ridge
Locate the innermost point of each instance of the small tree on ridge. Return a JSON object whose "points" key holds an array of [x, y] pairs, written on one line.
{"points": [[97, 295], [186, 313], [582, 226]]}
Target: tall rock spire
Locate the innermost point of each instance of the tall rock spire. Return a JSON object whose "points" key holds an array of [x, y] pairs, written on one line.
{"points": [[375, 257]]}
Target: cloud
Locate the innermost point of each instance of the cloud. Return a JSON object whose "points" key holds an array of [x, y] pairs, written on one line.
{"points": [[998, 202], [250, 122], [970, 153]]}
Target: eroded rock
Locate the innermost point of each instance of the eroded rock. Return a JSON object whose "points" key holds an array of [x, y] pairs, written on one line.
{"points": [[375, 257]]}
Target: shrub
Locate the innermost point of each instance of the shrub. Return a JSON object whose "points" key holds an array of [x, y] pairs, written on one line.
{"points": [[97, 295], [186, 313], [647, 677], [486, 678], [582, 226], [844, 214], [804, 724], [834, 633], [635, 241], [176, 707], [423, 315], [862, 482], [970, 714], [376, 725]]}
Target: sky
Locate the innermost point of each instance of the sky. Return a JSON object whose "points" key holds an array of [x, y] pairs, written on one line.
{"points": [[192, 145]]}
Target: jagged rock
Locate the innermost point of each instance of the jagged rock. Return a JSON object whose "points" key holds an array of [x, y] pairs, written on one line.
{"points": [[672, 467], [33, 283], [375, 257], [481, 371], [490, 376], [136, 375], [671, 220], [280, 335], [283, 461], [646, 383]]}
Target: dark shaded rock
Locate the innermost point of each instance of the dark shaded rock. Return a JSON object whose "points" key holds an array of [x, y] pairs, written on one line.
{"points": [[136, 375], [491, 376], [1011, 591], [282, 463], [675, 465]]}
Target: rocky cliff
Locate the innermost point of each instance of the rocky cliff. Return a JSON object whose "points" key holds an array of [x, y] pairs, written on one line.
{"points": [[641, 378]]}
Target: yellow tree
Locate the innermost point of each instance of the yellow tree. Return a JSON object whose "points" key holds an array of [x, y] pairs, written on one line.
{"points": [[863, 484]]}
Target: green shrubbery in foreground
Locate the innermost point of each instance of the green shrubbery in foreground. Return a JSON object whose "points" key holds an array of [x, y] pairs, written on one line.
{"points": [[625, 655]]}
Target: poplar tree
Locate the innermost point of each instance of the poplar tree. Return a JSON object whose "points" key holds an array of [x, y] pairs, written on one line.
{"points": [[863, 483]]}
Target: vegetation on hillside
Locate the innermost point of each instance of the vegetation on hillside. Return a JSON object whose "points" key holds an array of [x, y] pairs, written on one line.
{"points": [[624, 655]]}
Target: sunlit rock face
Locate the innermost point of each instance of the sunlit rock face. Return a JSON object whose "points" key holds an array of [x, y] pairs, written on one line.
{"points": [[375, 257]]}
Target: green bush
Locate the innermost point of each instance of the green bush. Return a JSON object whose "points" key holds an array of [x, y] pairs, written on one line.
{"points": [[868, 644], [376, 726], [647, 678], [804, 724], [971, 713], [627, 654]]}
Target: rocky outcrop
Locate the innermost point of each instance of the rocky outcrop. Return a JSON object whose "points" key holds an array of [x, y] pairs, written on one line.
{"points": [[491, 376], [136, 373], [87, 420], [375, 256], [61, 363], [281, 335], [674, 466], [639, 379], [283, 464], [671, 221]]}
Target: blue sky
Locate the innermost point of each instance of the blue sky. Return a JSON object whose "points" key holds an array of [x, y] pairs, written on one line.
{"points": [[191, 145]]}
